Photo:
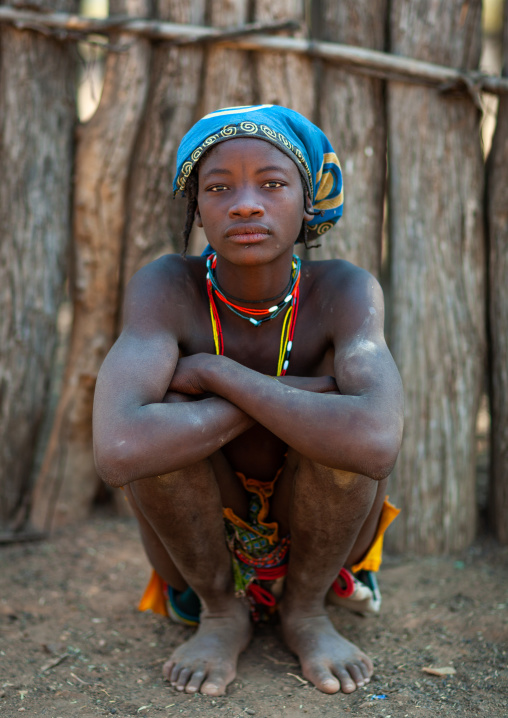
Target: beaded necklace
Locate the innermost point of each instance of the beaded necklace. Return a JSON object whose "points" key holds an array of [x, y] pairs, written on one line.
{"points": [[258, 316]]}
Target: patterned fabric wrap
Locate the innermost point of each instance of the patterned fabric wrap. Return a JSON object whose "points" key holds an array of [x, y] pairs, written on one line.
{"points": [[254, 543], [291, 133]]}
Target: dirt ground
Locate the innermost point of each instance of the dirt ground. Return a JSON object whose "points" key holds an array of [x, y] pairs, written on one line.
{"points": [[73, 643]]}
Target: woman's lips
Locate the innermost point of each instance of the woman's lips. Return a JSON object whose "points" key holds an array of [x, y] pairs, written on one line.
{"points": [[247, 233]]}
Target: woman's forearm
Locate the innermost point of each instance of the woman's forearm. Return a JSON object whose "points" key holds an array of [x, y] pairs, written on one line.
{"points": [[160, 438], [353, 433]]}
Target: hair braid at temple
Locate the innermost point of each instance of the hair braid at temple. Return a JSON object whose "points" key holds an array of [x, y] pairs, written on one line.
{"points": [[304, 231], [191, 192]]}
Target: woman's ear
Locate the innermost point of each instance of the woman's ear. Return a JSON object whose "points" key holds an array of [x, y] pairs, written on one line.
{"points": [[197, 218], [308, 212]]}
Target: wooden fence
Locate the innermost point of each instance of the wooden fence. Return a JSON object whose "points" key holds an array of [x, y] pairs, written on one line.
{"points": [[395, 87]]}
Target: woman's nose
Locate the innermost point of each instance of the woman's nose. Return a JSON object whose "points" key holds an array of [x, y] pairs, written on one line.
{"points": [[246, 204]]}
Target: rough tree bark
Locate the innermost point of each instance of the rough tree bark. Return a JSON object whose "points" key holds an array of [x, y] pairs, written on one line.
{"points": [[228, 75], [438, 278], [351, 111], [37, 117], [283, 78], [67, 481], [155, 221], [497, 216]]}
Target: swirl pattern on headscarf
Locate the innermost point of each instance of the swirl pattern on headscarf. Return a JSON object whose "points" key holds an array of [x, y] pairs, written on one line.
{"points": [[290, 132]]}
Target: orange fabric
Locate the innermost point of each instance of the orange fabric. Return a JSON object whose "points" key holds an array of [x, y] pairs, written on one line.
{"points": [[153, 597], [264, 490], [374, 556]]}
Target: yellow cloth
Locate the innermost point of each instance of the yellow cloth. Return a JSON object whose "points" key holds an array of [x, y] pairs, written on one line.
{"points": [[372, 559], [154, 598]]}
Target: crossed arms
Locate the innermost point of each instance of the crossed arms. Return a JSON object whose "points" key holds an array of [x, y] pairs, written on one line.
{"points": [[137, 433]]}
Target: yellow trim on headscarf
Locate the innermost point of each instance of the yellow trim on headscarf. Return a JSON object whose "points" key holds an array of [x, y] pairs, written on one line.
{"points": [[328, 158], [331, 158], [330, 203], [325, 186]]}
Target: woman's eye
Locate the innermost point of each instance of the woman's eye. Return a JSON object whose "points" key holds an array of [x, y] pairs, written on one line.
{"points": [[216, 188], [273, 184]]}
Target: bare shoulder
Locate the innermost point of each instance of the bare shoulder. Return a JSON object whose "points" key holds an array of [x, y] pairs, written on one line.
{"points": [[348, 294], [162, 292]]}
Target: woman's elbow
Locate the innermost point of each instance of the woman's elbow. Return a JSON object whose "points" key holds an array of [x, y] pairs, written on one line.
{"points": [[385, 450], [113, 462]]}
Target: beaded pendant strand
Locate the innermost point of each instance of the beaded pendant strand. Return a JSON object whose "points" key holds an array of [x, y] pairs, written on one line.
{"points": [[257, 316]]}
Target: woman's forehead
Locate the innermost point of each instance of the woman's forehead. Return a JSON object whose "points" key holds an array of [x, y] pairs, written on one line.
{"points": [[257, 150]]}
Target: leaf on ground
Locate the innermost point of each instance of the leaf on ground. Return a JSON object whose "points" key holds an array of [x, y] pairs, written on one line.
{"points": [[445, 671]]}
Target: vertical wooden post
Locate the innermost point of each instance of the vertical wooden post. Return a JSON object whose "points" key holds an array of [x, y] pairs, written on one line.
{"points": [[37, 116], [67, 481], [351, 111], [154, 220], [438, 277], [228, 73], [497, 217], [283, 78]]}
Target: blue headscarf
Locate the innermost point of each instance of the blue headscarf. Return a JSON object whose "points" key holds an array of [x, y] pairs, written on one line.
{"points": [[291, 133]]}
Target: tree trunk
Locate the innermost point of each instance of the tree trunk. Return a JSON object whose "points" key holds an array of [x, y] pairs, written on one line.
{"points": [[438, 278], [497, 208], [351, 112], [155, 221], [67, 482], [283, 78], [37, 116]]}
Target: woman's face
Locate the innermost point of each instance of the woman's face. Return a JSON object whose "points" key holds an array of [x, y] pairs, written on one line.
{"points": [[250, 201]]}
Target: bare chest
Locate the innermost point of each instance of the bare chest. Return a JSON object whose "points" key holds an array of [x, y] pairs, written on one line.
{"points": [[258, 453], [259, 347]]}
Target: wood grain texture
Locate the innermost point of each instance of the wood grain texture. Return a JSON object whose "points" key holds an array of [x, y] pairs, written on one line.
{"points": [[284, 78], [155, 221], [497, 209], [37, 117], [67, 482], [351, 112], [438, 279], [228, 73]]}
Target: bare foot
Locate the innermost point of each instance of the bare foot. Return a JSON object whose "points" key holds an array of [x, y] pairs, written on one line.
{"points": [[327, 659], [207, 662]]}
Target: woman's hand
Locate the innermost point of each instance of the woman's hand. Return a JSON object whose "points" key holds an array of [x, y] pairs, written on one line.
{"points": [[190, 377], [190, 373]]}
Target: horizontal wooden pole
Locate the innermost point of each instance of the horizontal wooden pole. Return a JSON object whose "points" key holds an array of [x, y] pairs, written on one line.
{"points": [[361, 60]]}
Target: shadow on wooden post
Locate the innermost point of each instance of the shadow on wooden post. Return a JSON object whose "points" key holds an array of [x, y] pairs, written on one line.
{"points": [[437, 279], [37, 118], [350, 109], [67, 482]]}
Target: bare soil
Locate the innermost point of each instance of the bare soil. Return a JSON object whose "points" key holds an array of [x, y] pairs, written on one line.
{"points": [[74, 645]]}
